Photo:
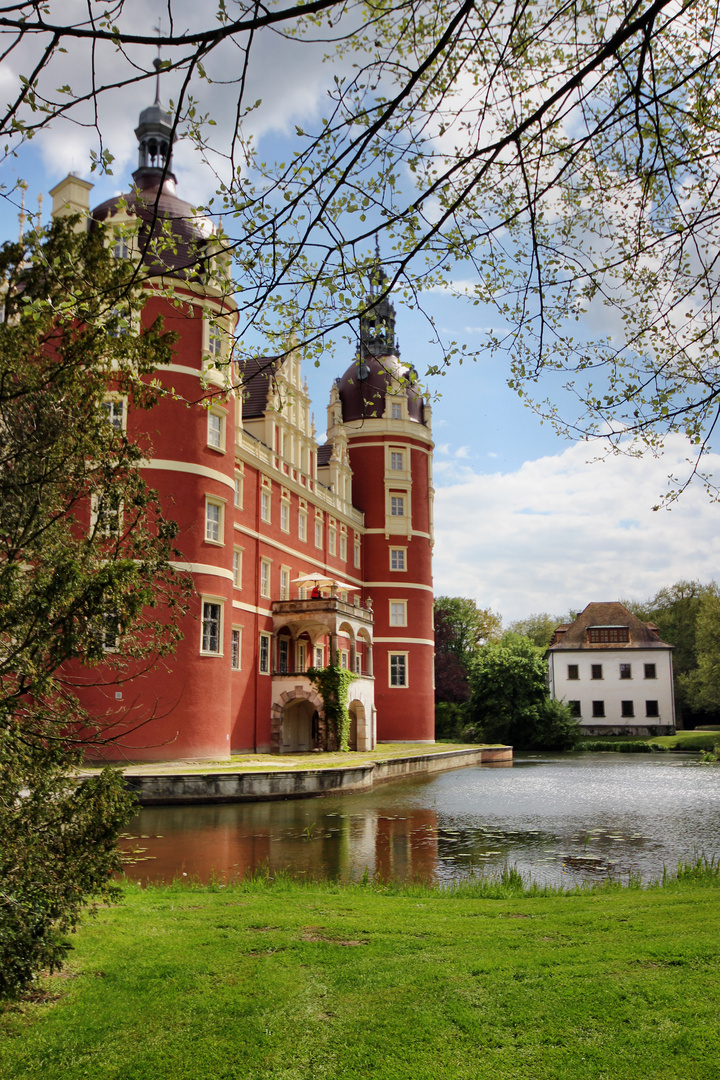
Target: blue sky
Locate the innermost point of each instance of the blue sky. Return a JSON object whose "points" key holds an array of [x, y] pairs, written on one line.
{"points": [[526, 521]]}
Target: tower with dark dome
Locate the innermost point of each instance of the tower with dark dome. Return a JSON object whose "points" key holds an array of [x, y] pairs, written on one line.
{"points": [[377, 406], [297, 555]]}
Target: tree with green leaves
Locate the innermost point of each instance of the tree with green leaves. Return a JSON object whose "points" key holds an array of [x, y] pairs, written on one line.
{"points": [[538, 628], [84, 571], [555, 160], [701, 686], [510, 701]]}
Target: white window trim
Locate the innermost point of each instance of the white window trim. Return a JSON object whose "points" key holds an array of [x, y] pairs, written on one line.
{"points": [[218, 414], [215, 500], [268, 638], [399, 686], [266, 500], [398, 569], [285, 512], [302, 526], [285, 570], [112, 400], [319, 532], [236, 667], [237, 580], [266, 562], [239, 492], [205, 598], [403, 605]]}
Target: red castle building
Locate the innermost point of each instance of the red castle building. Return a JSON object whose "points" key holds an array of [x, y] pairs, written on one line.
{"points": [[268, 518]]}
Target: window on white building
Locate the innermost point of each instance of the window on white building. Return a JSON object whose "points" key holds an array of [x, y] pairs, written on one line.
{"points": [[626, 671], [598, 708], [627, 708], [596, 672], [573, 672], [651, 708], [650, 671]]}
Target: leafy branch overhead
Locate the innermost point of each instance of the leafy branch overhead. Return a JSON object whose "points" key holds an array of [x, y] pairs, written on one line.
{"points": [[555, 162]]}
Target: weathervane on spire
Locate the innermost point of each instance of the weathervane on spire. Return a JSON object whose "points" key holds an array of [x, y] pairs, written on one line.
{"points": [[157, 62]]}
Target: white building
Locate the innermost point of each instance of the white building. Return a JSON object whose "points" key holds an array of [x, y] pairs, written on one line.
{"points": [[614, 672]]}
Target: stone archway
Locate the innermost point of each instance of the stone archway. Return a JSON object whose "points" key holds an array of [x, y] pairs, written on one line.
{"points": [[357, 720], [297, 706]]}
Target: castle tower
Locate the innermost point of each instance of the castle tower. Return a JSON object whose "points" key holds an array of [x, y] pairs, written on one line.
{"points": [[387, 426], [185, 702]]}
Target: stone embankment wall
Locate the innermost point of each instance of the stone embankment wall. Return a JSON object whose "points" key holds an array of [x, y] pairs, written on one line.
{"points": [[184, 788]]}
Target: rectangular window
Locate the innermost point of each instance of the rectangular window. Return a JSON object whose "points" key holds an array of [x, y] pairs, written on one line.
{"points": [[211, 619], [626, 708], [319, 656], [264, 655], [626, 671], [318, 534], [573, 671], [215, 341], [397, 506], [237, 568], [651, 708], [107, 514], [284, 517], [596, 672], [235, 649], [265, 578], [302, 526], [215, 431], [356, 553], [358, 663], [331, 541], [650, 671], [396, 460], [607, 635], [283, 655], [344, 659], [238, 500], [109, 631], [115, 409], [574, 708], [396, 411], [284, 584], [213, 522], [301, 656], [343, 547], [398, 612], [598, 708], [264, 506], [397, 558], [398, 669]]}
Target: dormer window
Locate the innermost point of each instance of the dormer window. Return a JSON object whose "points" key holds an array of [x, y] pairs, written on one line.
{"points": [[608, 635]]}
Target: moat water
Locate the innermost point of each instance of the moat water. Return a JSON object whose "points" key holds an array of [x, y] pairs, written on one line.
{"points": [[559, 819]]}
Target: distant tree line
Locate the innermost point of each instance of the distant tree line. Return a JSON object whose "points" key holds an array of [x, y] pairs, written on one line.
{"points": [[491, 682]]}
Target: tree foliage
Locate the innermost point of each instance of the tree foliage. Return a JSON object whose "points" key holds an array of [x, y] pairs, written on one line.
{"points": [[701, 686], [557, 161], [676, 611], [539, 628], [461, 628], [84, 564], [510, 699]]}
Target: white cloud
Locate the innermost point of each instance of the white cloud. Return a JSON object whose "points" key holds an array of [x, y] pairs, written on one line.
{"points": [[563, 530]]}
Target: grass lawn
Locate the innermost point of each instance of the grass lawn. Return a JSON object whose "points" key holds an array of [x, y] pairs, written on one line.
{"points": [[289, 981], [683, 740]]}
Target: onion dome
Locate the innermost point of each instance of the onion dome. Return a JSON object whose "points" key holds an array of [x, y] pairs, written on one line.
{"points": [[172, 233], [370, 381]]}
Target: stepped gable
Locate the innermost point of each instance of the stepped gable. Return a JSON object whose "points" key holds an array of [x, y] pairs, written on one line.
{"points": [[257, 374], [367, 383], [606, 615]]}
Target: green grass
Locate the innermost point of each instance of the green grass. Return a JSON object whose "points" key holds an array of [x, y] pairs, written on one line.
{"points": [[303, 982], [683, 740]]}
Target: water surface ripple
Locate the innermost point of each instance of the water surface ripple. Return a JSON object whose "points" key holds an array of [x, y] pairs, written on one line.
{"points": [[561, 819]]}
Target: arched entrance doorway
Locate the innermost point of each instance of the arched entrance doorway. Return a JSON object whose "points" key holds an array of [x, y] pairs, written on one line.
{"points": [[296, 732], [357, 716]]}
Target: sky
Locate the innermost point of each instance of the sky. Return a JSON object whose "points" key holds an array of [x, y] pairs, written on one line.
{"points": [[526, 521]]}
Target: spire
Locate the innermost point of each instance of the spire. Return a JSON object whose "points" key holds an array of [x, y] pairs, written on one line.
{"points": [[377, 324], [155, 138]]}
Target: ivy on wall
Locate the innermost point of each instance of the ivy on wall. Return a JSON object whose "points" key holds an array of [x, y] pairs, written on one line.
{"points": [[332, 683]]}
